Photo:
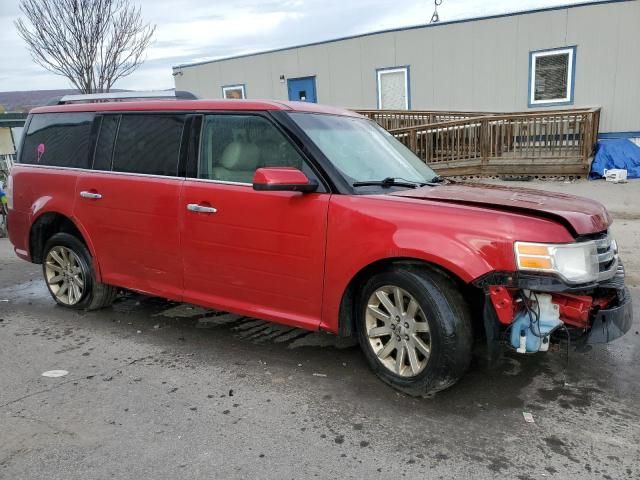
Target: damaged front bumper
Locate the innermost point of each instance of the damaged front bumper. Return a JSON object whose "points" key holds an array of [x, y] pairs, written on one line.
{"points": [[594, 314], [611, 323]]}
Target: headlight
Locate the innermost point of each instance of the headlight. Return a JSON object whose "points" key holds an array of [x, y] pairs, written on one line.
{"points": [[574, 262]]}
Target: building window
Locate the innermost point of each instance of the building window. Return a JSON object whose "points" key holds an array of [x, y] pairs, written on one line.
{"points": [[234, 92], [552, 77], [393, 88]]}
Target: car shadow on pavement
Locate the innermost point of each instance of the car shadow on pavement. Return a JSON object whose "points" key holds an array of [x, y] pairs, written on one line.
{"points": [[214, 334]]}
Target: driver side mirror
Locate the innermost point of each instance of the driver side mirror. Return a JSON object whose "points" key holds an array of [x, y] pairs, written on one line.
{"points": [[282, 179]]}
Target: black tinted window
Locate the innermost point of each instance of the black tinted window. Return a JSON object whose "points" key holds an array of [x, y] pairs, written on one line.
{"points": [[552, 77], [105, 143], [234, 146], [148, 144], [59, 139]]}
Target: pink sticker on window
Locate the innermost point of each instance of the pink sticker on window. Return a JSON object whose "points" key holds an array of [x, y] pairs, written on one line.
{"points": [[40, 152]]}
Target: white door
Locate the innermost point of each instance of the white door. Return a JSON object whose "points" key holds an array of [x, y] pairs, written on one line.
{"points": [[393, 89]]}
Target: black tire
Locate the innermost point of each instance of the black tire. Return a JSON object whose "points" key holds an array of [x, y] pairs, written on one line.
{"points": [[96, 295], [449, 321]]}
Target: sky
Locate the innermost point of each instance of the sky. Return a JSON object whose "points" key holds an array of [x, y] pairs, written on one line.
{"points": [[196, 30]]}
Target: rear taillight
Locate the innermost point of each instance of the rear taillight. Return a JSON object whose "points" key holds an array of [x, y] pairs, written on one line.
{"points": [[9, 192]]}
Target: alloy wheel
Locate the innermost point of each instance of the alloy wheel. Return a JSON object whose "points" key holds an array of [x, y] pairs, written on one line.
{"points": [[398, 331], [64, 275]]}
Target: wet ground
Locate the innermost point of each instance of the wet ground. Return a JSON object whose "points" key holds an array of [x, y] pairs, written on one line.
{"points": [[162, 390]]}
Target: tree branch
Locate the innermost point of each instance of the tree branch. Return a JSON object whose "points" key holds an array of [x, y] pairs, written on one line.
{"points": [[93, 43]]}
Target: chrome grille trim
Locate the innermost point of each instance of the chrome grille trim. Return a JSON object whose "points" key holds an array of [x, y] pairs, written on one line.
{"points": [[617, 281], [605, 257], [610, 272], [609, 264], [603, 243]]}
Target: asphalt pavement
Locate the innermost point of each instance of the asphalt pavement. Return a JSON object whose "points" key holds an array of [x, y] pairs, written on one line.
{"points": [[159, 390]]}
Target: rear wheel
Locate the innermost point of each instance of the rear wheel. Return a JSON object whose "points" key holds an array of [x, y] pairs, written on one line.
{"points": [[70, 276], [414, 329]]}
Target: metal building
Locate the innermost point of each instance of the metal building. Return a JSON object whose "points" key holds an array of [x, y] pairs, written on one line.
{"points": [[580, 55]]}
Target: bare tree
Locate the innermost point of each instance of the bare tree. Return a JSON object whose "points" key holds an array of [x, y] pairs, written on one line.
{"points": [[91, 42]]}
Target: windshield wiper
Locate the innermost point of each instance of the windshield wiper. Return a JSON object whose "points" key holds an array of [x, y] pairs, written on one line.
{"points": [[401, 182], [438, 179], [388, 182]]}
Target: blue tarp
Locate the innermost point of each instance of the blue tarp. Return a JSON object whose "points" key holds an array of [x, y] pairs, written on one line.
{"points": [[619, 153]]}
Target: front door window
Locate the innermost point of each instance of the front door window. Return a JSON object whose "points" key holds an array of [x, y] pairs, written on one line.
{"points": [[234, 146]]}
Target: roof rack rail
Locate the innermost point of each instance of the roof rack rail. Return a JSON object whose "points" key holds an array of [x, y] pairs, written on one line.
{"points": [[124, 96]]}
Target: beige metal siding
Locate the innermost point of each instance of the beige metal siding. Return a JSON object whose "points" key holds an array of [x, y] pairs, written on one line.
{"points": [[452, 67], [376, 52], [6, 142], [476, 65], [345, 74], [314, 61], [596, 37], [608, 61], [624, 113], [410, 45]]}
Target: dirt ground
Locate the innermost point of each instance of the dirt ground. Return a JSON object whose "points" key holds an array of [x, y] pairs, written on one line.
{"points": [[161, 390]]}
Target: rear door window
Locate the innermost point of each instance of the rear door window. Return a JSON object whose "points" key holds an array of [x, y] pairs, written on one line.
{"points": [[58, 139], [148, 144], [106, 140]]}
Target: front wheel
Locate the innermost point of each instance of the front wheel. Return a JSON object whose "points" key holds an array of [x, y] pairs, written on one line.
{"points": [[414, 328], [70, 276]]}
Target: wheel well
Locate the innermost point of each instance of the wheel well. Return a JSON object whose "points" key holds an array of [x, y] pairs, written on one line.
{"points": [[348, 304], [46, 226]]}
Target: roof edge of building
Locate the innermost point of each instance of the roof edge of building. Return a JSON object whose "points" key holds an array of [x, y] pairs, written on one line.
{"points": [[401, 29]]}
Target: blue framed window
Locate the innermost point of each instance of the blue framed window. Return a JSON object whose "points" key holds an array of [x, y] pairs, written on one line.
{"points": [[234, 92], [393, 85], [552, 75]]}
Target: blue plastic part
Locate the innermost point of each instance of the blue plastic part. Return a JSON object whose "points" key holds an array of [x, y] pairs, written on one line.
{"points": [[621, 153], [543, 327]]}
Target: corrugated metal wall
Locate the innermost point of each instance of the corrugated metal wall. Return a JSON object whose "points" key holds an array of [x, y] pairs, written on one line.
{"points": [[477, 65]]}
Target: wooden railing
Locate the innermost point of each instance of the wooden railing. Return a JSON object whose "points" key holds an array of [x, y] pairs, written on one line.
{"points": [[541, 143], [392, 119]]}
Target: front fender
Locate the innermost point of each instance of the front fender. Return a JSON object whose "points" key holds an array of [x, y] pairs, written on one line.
{"points": [[466, 258], [466, 241]]}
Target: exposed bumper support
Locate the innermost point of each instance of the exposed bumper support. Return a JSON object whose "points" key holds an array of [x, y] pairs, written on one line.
{"points": [[592, 310]]}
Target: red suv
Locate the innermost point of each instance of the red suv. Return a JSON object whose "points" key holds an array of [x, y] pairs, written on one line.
{"points": [[313, 217]]}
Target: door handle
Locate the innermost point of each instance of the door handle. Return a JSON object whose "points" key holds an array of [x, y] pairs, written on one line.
{"points": [[194, 207], [92, 195]]}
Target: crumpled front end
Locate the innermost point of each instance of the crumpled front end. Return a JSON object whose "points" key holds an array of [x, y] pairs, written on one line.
{"points": [[528, 309]]}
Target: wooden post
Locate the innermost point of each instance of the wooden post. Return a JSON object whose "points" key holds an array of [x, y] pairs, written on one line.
{"points": [[484, 145], [413, 144], [587, 139]]}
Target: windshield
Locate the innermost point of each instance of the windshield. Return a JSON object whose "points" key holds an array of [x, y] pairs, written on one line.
{"points": [[362, 150]]}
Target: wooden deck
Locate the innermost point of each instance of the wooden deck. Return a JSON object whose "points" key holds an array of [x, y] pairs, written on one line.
{"points": [[539, 143]]}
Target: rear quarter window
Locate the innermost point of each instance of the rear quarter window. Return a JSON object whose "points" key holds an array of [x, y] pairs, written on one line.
{"points": [[58, 139]]}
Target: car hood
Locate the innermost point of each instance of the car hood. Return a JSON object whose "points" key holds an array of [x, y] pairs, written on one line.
{"points": [[581, 215]]}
